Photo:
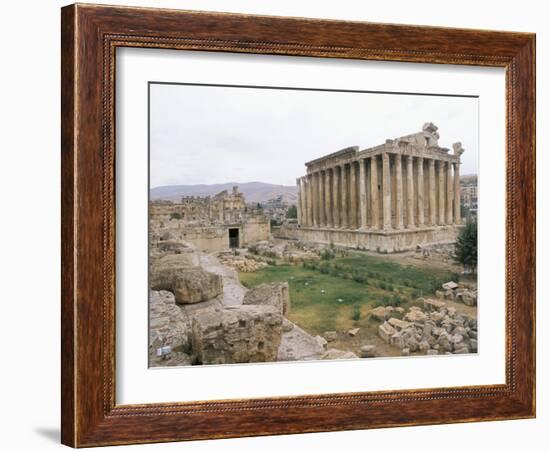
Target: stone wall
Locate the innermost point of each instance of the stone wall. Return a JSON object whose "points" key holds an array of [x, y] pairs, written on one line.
{"points": [[377, 240]]}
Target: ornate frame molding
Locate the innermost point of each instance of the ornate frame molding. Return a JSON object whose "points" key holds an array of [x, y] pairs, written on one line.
{"points": [[90, 37]]}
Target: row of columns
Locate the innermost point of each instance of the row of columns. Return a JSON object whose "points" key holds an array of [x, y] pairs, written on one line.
{"points": [[339, 197]]}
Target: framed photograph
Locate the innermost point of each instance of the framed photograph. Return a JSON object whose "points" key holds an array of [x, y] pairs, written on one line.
{"points": [[281, 225]]}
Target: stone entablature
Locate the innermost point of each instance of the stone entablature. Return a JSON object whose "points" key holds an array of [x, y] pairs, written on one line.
{"points": [[220, 208], [406, 183]]}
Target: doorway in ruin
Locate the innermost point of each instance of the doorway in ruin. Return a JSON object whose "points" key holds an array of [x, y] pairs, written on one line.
{"points": [[233, 237]]}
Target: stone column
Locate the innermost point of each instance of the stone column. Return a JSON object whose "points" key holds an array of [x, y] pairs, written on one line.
{"points": [[363, 193], [375, 220], [398, 192], [307, 189], [322, 216], [420, 189], [449, 211], [353, 195], [303, 191], [386, 192], [431, 190], [299, 202], [314, 197], [458, 219], [336, 202], [344, 192], [410, 193], [441, 174], [328, 202]]}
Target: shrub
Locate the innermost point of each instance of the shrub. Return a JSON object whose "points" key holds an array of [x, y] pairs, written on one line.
{"points": [[327, 254], [270, 254], [356, 315], [176, 216], [385, 301], [397, 301], [465, 252], [359, 277]]}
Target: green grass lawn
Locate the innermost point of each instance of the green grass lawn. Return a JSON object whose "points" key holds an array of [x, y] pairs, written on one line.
{"points": [[337, 294]]}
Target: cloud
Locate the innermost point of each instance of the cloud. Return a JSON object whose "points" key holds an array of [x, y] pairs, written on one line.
{"points": [[207, 134]]}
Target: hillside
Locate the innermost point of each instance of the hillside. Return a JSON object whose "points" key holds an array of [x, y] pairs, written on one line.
{"points": [[253, 191]]}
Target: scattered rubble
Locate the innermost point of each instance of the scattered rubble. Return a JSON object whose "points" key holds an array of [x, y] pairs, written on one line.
{"points": [[457, 292], [438, 330]]}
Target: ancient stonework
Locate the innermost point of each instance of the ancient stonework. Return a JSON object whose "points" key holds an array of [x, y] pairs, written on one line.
{"points": [[392, 197], [188, 284], [168, 327], [274, 294], [243, 334], [210, 223]]}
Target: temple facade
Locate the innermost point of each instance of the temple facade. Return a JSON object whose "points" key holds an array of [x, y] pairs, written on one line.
{"points": [[388, 198]]}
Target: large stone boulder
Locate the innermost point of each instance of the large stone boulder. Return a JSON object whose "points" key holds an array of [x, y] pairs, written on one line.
{"points": [[188, 284], [273, 294], [241, 334], [168, 327]]}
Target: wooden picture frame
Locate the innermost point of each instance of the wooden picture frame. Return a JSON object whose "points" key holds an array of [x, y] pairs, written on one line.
{"points": [[90, 35]]}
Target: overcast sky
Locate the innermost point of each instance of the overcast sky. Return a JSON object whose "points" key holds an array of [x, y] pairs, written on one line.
{"points": [[208, 135]]}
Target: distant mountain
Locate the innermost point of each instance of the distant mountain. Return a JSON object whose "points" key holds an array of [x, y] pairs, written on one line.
{"points": [[253, 191]]}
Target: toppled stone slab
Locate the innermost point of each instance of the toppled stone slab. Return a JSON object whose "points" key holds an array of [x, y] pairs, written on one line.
{"points": [[386, 331], [334, 353], [399, 324], [415, 314], [330, 336], [451, 285], [298, 345], [433, 305], [353, 331], [273, 294], [242, 334]]}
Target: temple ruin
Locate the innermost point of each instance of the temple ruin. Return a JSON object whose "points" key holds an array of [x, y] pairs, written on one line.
{"points": [[388, 198], [210, 223]]}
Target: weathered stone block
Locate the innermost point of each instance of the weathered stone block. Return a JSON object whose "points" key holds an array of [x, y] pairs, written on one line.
{"points": [[433, 305], [188, 284], [274, 294], [168, 326], [451, 285], [386, 331], [398, 324], [368, 351], [244, 334]]}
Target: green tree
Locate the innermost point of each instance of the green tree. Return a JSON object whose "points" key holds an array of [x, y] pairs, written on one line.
{"points": [[466, 247], [292, 212]]}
